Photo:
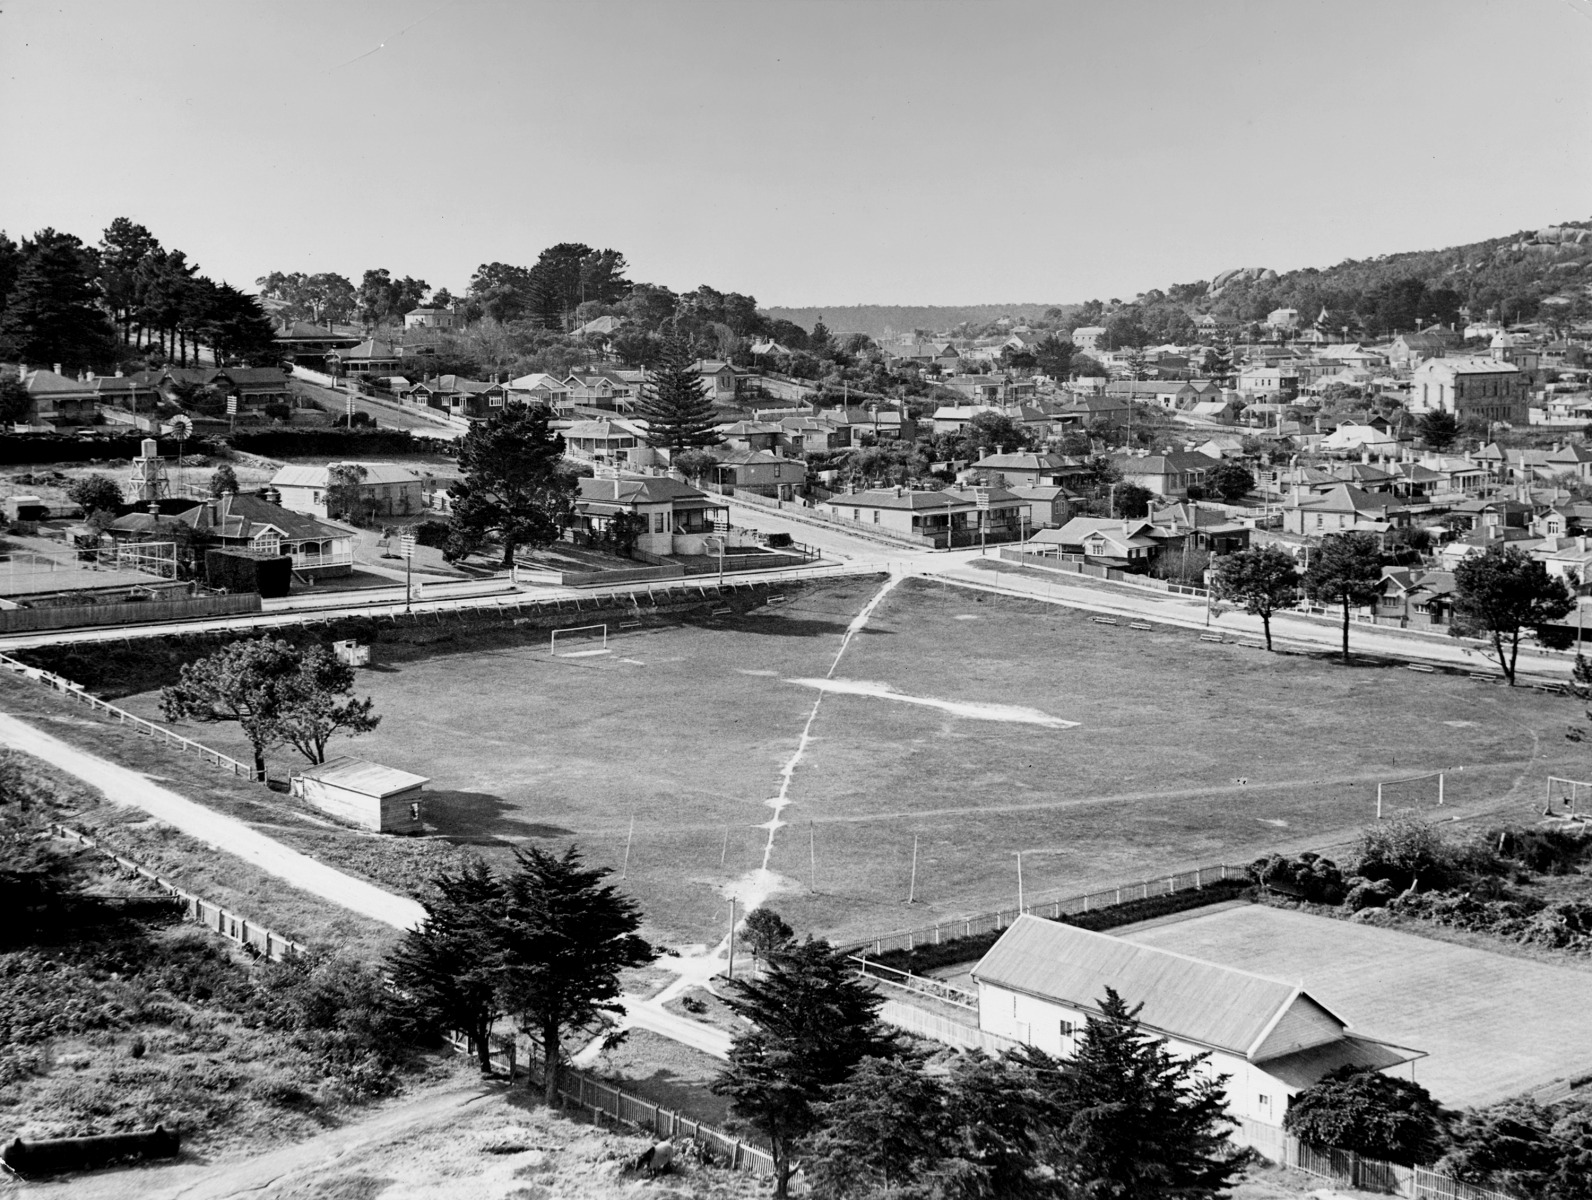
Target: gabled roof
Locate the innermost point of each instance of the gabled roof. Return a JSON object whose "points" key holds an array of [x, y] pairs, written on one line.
{"points": [[1185, 998], [367, 778], [627, 490], [1172, 462], [747, 458], [1348, 498], [245, 376], [906, 498], [370, 349], [538, 379], [1029, 461]]}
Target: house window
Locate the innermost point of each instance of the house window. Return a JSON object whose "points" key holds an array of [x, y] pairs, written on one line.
{"points": [[1265, 1105], [414, 811], [1068, 1029], [876, 516]]}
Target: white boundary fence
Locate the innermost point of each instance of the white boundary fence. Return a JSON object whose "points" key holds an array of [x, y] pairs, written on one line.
{"points": [[196, 908], [75, 691], [960, 927], [1347, 1167]]}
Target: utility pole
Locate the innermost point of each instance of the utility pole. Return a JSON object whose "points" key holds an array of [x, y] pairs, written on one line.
{"points": [[1020, 906], [730, 974], [912, 889]]}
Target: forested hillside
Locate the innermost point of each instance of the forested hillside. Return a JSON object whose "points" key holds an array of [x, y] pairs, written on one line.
{"points": [[1526, 275], [876, 320]]}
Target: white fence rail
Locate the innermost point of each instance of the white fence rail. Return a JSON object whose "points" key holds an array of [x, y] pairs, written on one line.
{"points": [[75, 691], [961, 927]]}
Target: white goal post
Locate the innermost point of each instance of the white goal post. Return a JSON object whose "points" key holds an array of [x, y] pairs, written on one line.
{"points": [[1409, 791], [1568, 795], [589, 630]]}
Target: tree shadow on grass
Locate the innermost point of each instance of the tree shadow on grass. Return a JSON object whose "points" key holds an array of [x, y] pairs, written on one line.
{"points": [[766, 623], [483, 817]]}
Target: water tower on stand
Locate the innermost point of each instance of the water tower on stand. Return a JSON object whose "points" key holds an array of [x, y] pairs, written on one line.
{"points": [[149, 483]]}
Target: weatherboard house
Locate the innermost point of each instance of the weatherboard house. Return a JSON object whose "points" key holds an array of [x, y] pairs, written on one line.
{"points": [[1042, 980]]}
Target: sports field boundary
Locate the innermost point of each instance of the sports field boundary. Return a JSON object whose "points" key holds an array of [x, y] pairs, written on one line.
{"points": [[958, 928]]}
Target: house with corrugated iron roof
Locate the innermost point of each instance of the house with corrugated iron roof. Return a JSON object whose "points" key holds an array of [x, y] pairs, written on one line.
{"points": [[1043, 980]]}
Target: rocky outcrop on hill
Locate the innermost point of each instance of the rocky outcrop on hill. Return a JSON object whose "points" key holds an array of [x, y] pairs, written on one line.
{"points": [[1239, 275]]}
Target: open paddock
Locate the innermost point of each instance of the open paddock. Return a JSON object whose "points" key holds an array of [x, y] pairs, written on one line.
{"points": [[980, 725]]}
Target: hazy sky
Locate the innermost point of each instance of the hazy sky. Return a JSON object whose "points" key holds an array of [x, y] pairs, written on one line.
{"points": [[806, 152]]}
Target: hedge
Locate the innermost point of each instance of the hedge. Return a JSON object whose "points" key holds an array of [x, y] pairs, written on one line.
{"points": [[966, 949], [40, 448], [352, 443]]}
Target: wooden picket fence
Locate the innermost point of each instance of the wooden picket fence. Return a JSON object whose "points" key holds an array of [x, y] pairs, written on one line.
{"points": [[601, 1101]]}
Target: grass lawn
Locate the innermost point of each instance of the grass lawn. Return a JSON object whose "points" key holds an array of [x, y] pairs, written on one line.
{"points": [[664, 1072], [1183, 753], [1492, 1025]]}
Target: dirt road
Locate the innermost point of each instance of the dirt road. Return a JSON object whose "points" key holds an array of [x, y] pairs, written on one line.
{"points": [[122, 786]]}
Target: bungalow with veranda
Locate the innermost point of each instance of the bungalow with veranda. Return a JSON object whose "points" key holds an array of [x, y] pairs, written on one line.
{"points": [[1042, 981]]}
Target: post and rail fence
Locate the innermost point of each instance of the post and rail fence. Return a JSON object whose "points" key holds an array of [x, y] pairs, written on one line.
{"points": [[76, 691], [214, 917]]}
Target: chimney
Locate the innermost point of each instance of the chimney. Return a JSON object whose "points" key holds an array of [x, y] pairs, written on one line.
{"points": [[58, 368], [119, 373]]}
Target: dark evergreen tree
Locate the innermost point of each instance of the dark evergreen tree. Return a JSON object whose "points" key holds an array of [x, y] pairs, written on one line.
{"points": [[1134, 1119], [450, 963], [123, 246], [1370, 1113], [885, 1131], [1504, 593], [675, 403], [51, 315], [810, 1022], [513, 488], [564, 937], [1346, 570]]}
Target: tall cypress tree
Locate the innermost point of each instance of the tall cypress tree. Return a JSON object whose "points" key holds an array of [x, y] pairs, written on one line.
{"points": [[50, 314], [675, 403], [1135, 1119]]}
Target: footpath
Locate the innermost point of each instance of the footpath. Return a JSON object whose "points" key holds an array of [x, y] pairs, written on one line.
{"points": [[123, 786]]}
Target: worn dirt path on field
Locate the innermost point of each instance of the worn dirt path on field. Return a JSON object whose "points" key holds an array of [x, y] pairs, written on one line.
{"points": [[695, 970], [123, 786]]}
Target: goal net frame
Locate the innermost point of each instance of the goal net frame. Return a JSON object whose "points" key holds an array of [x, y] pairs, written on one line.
{"points": [[1567, 795], [552, 640], [1393, 794]]}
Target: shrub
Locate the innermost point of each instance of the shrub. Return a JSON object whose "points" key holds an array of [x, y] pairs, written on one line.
{"points": [[1310, 877], [1372, 1114], [1405, 850], [431, 533], [1367, 893]]}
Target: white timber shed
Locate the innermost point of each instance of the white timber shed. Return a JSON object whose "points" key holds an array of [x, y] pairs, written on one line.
{"points": [[364, 793], [1043, 980]]}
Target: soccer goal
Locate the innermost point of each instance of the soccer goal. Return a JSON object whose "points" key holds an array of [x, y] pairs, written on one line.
{"points": [[1568, 796], [1415, 791], [584, 635]]}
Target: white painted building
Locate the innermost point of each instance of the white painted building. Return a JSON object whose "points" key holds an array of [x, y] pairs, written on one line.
{"points": [[364, 794], [1042, 980]]}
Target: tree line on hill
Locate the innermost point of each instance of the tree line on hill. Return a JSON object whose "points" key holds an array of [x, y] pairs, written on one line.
{"points": [[1501, 593], [1508, 279], [127, 302]]}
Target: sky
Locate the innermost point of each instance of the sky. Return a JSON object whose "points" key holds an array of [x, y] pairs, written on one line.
{"points": [[806, 152]]}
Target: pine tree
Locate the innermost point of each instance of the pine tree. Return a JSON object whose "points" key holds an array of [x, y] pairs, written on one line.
{"points": [[512, 489], [564, 937], [1137, 1120], [675, 403], [449, 963], [50, 314], [886, 1131], [810, 1023]]}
